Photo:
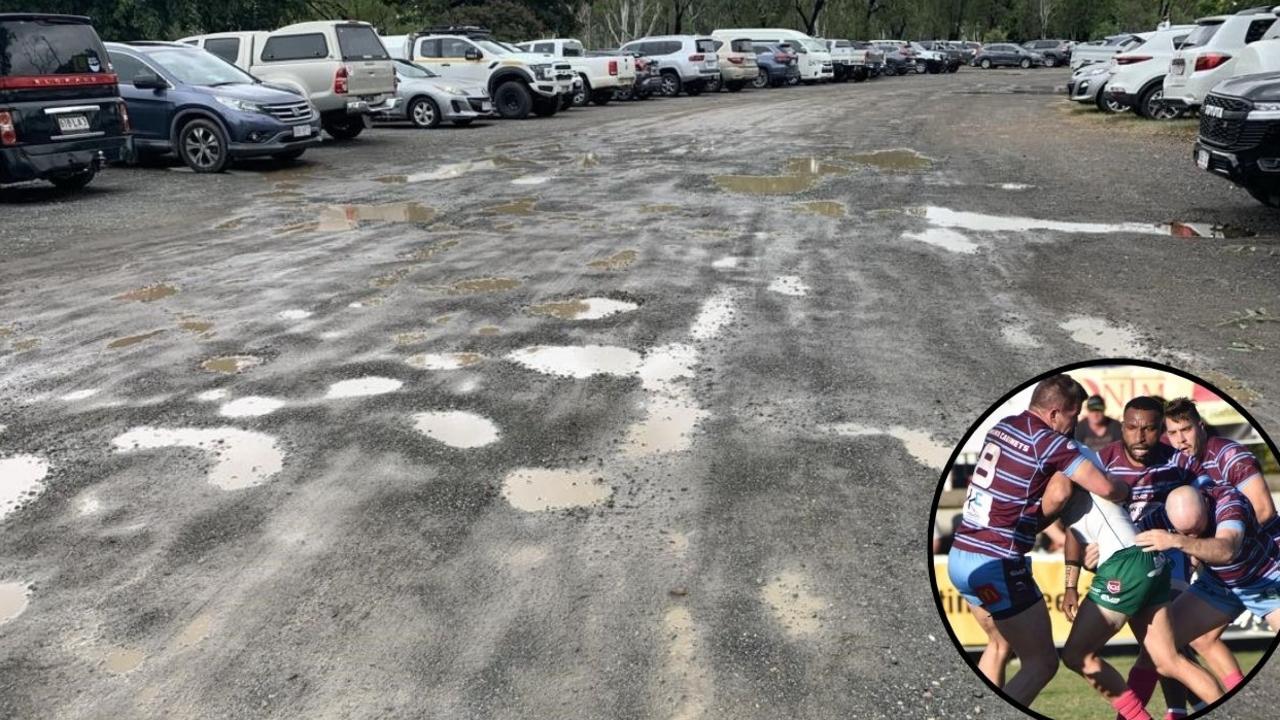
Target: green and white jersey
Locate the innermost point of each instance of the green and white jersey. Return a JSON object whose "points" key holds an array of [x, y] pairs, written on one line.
{"points": [[1095, 519]]}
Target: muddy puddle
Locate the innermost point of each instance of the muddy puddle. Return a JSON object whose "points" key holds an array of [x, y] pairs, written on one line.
{"points": [[230, 364], [795, 604], [196, 631], [230, 224], [240, 458], [26, 344], [896, 160], [149, 293], [981, 222], [390, 279], [717, 312], [540, 489], [457, 428], [475, 286], [919, 444], [1203, 230], [765, 184], [21, 481], [617, 261], [728, 263], [122, 660], [14, 598], [213, 395], [487, 330], [577, 361], [362, 387], [411, 337], [294, 314], [531, 180], [945, 238], [592, 308], [815, 166], [444, 361], [199, 327], [667, 427], [251, 406], [132, 340], [789, 285], [338, 218], [659, 209], [523, 206], [1105, 338], [452, 171], [423, 254], [825, 208], [79, 395]]}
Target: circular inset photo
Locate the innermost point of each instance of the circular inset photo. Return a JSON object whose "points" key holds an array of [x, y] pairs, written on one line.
{"points": [[1106, 545]]}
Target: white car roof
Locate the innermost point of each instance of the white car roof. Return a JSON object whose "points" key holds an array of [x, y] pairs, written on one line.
{"points": [[316, 26]]}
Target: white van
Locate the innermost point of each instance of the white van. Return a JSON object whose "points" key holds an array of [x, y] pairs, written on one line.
{"points": [[814, 56]]}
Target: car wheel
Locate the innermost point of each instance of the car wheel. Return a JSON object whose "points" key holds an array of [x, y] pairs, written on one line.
{"points": [[345, 129], [76, 181], [289, 155], [424, 113], [583, 96], [670, 84], [860, 75], [1151, 107], [1106, 103], [761, 80], [712, 86], [203, 146], [512, 100], [1025, 63], [986, 63], [793, 80], [462, 122]]}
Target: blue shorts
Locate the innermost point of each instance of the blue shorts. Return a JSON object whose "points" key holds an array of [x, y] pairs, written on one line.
{"points": [[1262, 598], [1180, 573], [1001, 586]]}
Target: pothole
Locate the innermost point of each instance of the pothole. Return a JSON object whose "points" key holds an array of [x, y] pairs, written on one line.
{"points": [[474, 286], [825, 208], [443, 361], [350, 217], [765, 184], [456, 428], [580, 361], [241, 458], [362, 387], [592, 308], [919, 444], [294, 314], [789, 285], [14, 599], [251, 406], [899, 160], [617, 261], [795, 604], [523, 206], [21, 481], [132, 340], [79, 395], [123, 660], [230, 364], [1106, 339], [540, 489], [945, 238], [149, 293]]}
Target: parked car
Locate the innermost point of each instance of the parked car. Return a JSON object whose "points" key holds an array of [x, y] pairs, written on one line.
{"points": [[518, 83], [1088, 85], [1207, 56], [1101, 51], [1239, 124], [812, 56], [61, 116], [191, 103], [426, 99], [935, 61], [899, 58], [952, 54], [1137, 80], [1055, 52], [648, 81], [1259, 57], [1006, 55], [872, 57], [968, 49], [340, 66], [687, 63], [738, 66], [600, 76], [568, 82], [777, 63], [847, 61]]}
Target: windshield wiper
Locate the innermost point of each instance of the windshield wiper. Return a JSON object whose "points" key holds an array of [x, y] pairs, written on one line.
{"points": [[224, 82]]}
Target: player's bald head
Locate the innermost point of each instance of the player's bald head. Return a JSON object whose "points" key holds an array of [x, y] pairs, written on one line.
{"points": [[1186, 509], [1059, 392]]}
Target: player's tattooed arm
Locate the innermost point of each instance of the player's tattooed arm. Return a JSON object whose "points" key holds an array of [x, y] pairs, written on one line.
{"points": [[1220, 549], [1088, 476], [1072, 556]]}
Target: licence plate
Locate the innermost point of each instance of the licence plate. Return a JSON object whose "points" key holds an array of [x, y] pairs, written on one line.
{"points": [[301, 131], [1177, 66], [73, 124], [1212, 111], [484, 107], [1202, 159]]}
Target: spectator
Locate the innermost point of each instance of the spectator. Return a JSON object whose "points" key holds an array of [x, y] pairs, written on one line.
{"points": [[1097, 431]]}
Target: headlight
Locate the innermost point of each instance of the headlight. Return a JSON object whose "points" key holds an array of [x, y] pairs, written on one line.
{"points": [[453, 90], [542, 72], [236, 104], [1267, 107], [1097, 70]]}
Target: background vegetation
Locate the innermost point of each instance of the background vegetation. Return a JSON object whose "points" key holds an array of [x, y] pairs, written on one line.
{"points": [[607, 23]]}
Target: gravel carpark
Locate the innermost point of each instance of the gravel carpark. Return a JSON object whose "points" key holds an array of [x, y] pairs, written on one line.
{"points": [[636, 411]]}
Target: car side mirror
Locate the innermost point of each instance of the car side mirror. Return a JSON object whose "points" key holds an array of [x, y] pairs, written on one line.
{"points": [[473, 54], [149, 81]]}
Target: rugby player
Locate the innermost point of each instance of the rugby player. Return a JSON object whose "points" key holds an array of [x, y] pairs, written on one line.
{"points": [[1240, 564], [1129, 586], [1005, 507], [1151, 469], [1224, 462]]}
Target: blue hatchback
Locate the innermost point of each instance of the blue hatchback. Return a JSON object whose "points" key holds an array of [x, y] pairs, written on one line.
{"points": [[207, 111]]}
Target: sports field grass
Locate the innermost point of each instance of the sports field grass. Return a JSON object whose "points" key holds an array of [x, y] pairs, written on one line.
{"points": [[1068, 697]]}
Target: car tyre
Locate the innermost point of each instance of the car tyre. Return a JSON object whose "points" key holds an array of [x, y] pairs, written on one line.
{"points": [[289, 155], [75, 181], [512, 100], [583, 96], [761, 80], [670, 83], [1149, 105], [1106, 104], [202, 146], [859, 75], [348, 128], [424, 113], [986, 63], [1025, 63]]}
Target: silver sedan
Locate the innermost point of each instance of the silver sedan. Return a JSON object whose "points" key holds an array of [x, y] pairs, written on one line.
{"points": [[426, 99], [1087, 86]]}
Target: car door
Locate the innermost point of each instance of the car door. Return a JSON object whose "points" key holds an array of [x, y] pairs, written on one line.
{"points": [[149, 110], [370, 68], [453, 60], [426, 52]]}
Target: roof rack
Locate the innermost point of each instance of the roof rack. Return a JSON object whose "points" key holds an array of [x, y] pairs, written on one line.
{"points": [[156, 43], [465, 30], [1263, 10]]}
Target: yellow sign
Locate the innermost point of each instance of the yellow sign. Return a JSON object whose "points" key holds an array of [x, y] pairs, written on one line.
{"points": [[1048, 571], [1119, 384]]}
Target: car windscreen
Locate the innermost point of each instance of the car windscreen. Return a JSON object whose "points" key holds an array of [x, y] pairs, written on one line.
{"points": [[413, 70], [813, 45], [42, 47], [705, 45], [742, 46], [1201, 35], [571, 49], [360, 42], [493, 47], [197, 67]]}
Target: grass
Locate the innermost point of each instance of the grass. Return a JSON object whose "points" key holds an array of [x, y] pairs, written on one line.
{"points": [[1068, 697]]}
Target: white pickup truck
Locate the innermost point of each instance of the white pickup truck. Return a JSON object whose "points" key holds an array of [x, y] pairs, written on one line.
{"points": [[601, 76], [340, 66], [1101, 51]]}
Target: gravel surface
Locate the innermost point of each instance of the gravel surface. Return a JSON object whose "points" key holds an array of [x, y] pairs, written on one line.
{"points": [[632, 412]]}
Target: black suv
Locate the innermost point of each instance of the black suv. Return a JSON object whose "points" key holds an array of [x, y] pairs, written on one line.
{"points": [[61, 115], [1240, 134]]}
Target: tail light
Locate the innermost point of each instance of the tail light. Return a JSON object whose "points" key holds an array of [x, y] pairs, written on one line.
{"points": [[779, 57], [340, 80], [8, 136], [124, 117], [697, 58], [736, 59], [613, 67], [1131, 59], [1209, 61]]}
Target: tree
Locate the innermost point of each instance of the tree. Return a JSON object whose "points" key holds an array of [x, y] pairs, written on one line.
{"points": [[809, 16]]}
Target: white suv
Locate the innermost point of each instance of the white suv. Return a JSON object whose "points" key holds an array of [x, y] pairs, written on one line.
{"points": [[1138, 74], [1207, 56], [340, 66], [687, 63], [813, 56]]}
